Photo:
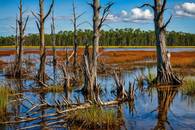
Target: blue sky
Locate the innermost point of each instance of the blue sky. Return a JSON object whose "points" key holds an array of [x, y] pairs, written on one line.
{"points": [[124, 14]]}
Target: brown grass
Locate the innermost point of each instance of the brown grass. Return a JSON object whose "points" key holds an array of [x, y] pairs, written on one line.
{"points": [[178, 59]]}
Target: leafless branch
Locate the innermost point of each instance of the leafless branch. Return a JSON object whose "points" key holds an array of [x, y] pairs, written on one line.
{"points": [[165, 25], [38, 26], [35, 15], [105, 14], [25, 23], [147, 5], [50, 9]]}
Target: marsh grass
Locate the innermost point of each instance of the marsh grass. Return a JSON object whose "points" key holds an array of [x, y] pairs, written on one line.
{"points": [[150, 76], [189, 87], [94, 118], [5, 92]]}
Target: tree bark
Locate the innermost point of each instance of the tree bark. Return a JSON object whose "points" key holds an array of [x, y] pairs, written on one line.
{"points": [[165, 73], [96, 37], [41, 72], [53, 39], [41, 17], [22, 27], [75, 39], [90, 69]]}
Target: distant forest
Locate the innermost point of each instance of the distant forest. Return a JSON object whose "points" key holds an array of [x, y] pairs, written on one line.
{"points": [[117, 37]]}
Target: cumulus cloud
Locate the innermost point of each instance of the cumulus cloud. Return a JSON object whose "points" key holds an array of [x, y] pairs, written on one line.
{"points": [[186, 9], [135, 15]]}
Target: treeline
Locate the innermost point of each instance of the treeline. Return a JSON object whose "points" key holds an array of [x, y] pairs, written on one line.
{"points": [[117, 37]]}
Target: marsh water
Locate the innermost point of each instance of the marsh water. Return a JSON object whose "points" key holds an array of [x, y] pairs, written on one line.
{"points": [[153, 108]]}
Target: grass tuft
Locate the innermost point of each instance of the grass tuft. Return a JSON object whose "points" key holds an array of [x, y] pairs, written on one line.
{"points": [[150, 77], [5, 92], [94, 118], [189, 87]]}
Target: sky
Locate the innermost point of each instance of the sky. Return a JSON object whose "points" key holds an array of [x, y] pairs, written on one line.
{"points": [[124, 14]]}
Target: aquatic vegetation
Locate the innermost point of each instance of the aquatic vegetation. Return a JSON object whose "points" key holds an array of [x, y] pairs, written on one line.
{"points": [[189, 87], [5, 92], [94, 118], [150, 77]]}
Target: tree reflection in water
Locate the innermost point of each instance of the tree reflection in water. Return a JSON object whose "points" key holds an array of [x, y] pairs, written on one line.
{"points": [[166, 95]]}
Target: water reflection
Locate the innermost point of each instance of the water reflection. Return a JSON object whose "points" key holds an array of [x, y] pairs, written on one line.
{"points": [[166, 96]]}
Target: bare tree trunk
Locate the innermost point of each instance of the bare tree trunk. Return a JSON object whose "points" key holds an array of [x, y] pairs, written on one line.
{"points": [[75, 26], [53, 39], [41, 72], [91, 65], [22, 27], [96, 37], [16, 38], [165, 73], [40, 25], [75, 41]]}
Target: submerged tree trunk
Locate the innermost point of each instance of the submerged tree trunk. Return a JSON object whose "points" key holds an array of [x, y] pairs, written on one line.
{"points": [[165, 73], [91, 62], [53, 39], [41, 72]]}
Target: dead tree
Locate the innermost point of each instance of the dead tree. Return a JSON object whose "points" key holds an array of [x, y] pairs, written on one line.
{"points": [[165, 73], [76, 25], [22, 27], [40, 21], [121, 93], [53, 39], [98, 22], [16, 37]]}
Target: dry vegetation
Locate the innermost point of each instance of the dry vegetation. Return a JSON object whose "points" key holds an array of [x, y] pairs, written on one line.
{"points": [[123, 59], [189, 86], [4, 99]]}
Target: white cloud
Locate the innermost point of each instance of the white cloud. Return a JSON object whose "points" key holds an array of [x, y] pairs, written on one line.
{"points": [[185, 9], [135, 15], [124, 13], [139, 14], [113, 18]]}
